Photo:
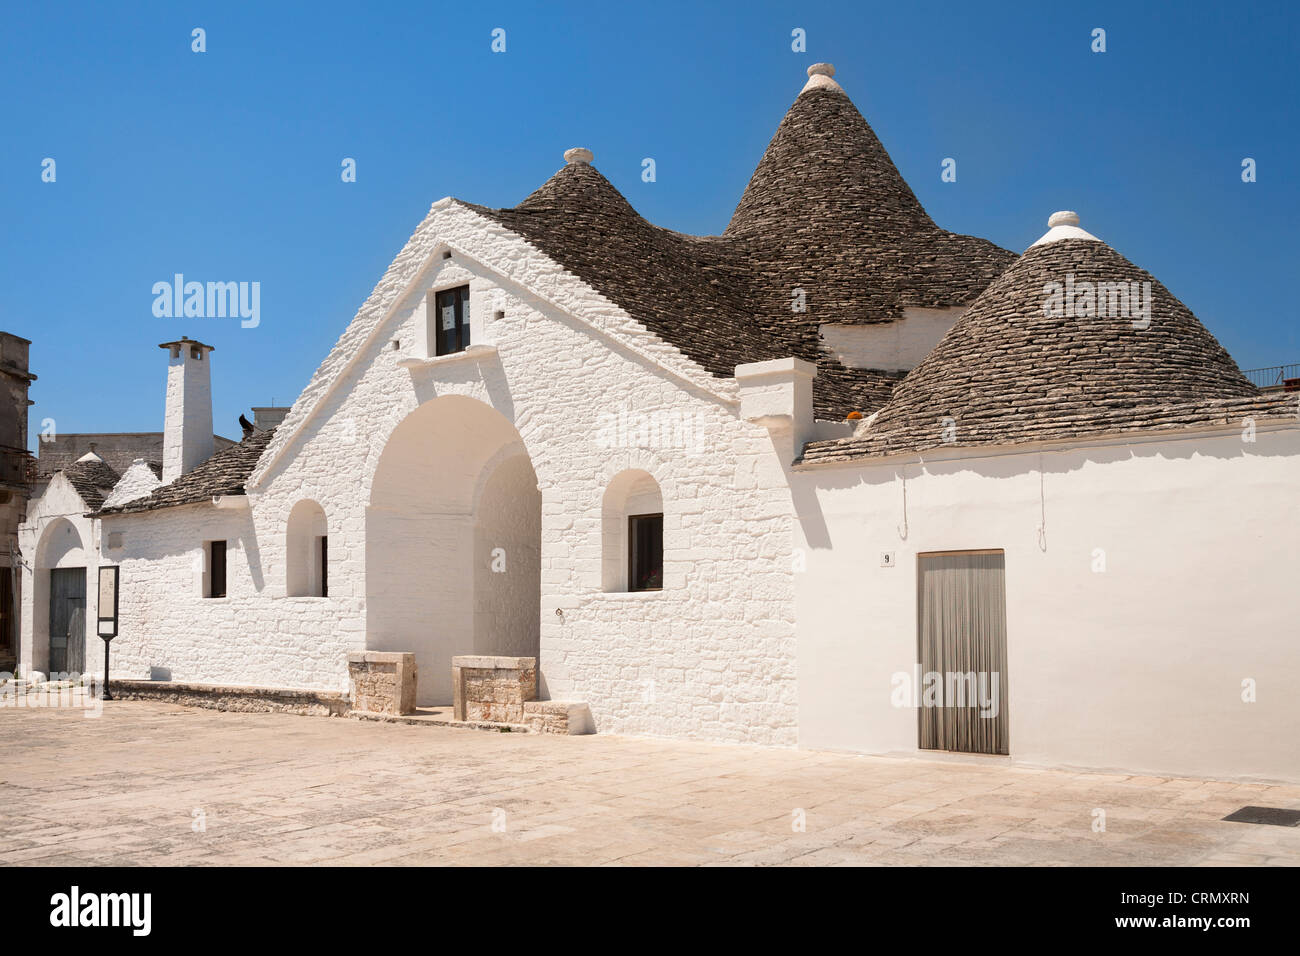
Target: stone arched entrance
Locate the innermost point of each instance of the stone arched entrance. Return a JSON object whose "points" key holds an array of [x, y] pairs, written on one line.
{"points": [[59, 600], [453, 542]]}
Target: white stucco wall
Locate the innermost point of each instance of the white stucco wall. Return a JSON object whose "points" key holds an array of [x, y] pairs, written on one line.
{"points": [[590, 393], [1138, 666], [893, 346]]}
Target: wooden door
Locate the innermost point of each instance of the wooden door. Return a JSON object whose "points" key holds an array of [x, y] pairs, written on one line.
{"points": [[67, 620]]}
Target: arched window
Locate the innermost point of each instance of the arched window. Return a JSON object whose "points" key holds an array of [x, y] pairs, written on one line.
{"points": [[632, 533], [307, 552]]}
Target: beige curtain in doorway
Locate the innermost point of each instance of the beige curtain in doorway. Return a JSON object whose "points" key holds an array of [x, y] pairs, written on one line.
{"points": [[962, 645]]}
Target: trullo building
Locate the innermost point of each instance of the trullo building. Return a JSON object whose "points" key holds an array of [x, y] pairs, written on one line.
{"points": [[789, 485]]}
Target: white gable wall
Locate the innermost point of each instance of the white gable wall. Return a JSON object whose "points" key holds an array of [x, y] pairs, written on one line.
{"points": [[711, 656], [1138, 666]]}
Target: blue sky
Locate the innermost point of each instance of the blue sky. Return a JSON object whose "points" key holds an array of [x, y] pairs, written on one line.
{"points": [[225, 165]]}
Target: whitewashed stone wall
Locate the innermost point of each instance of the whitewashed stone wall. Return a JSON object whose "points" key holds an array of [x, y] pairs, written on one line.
{"points": [[711, 656], [1163, 577], [254, 636]]}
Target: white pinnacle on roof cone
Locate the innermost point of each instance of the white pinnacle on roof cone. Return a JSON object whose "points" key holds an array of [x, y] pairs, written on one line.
{"points": [[819, 78], [578, 154], [1063, 225]]}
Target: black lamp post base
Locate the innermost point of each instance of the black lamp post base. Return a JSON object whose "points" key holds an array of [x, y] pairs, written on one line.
{"points": [[106, 695]]}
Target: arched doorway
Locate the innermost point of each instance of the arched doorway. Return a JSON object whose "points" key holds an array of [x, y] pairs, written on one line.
{"points": [[60, 599], [453, 542]]}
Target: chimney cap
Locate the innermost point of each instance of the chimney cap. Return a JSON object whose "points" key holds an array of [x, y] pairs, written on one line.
{"points": [[821, 69], [578, 154], [186, 341]]}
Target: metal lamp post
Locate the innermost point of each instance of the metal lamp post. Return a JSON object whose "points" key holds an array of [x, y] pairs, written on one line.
{"points": [[108, 579]]}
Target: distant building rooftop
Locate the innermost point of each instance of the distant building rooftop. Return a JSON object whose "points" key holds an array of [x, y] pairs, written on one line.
{"points": [[117, 449]]}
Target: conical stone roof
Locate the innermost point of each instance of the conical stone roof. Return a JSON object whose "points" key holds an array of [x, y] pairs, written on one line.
{"points": [[825, 167], [93, 479], [825, 212], [828, 212], [1051, 350]]}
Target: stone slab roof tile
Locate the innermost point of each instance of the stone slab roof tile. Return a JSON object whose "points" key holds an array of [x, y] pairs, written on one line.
{"points": [[93, 479], [222, 474]]}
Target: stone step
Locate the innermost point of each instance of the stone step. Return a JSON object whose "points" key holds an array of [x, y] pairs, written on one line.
{"points": [[236, 698], [440, 717]]}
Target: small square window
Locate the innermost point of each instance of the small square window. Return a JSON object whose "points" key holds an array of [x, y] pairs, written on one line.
{"points": [[645, 537], [448, 320]]}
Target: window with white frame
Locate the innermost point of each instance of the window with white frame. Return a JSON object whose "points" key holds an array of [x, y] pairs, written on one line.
{"points": [[632, 535]]}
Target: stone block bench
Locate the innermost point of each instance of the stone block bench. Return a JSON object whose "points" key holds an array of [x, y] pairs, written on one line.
{"points": [[503, 690], [383, 682]]}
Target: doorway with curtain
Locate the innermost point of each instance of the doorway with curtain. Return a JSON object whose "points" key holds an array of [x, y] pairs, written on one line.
{"points": [[67, 620], [962, 647]]}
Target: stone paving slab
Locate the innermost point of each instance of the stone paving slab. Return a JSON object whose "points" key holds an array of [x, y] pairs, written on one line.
{"points": [[155, 783]]}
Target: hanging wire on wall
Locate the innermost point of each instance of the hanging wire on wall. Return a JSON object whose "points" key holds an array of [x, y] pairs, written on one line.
{"points": [[902, 529], [1042, 506]]}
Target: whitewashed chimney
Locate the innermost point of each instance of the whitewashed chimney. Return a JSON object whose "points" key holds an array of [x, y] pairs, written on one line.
{"points": [[187, 427], [778, 394]]}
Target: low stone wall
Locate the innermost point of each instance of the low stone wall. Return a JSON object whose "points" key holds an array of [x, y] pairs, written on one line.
{"points": [[492, 688], [383, 682], [247, 700], [558, 717], [491, 693]]}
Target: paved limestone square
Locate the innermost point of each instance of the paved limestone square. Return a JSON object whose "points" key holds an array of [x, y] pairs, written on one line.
{"points": [[155, 783]]}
